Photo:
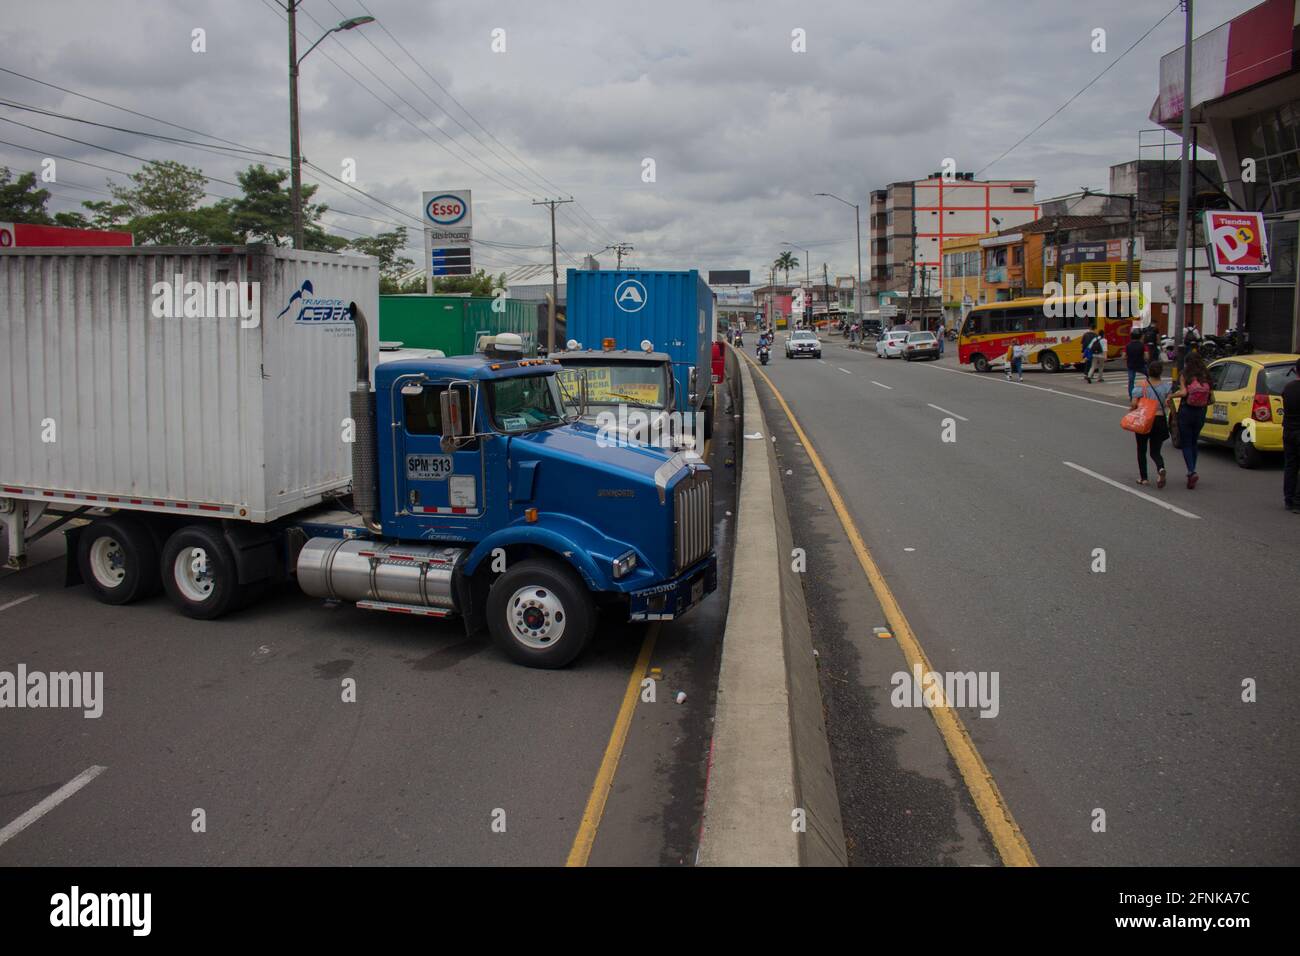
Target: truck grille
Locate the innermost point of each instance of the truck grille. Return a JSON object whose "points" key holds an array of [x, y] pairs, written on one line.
{"points": [[693, 518]]}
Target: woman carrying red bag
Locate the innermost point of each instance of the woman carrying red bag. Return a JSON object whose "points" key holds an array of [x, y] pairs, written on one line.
{"points": [[1196, 395], [1150, 440]]}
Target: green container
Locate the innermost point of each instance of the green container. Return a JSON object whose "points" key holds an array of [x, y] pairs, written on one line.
{"points": [[454, 323]]}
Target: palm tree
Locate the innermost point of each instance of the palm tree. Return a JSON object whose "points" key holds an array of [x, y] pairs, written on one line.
{"points": [[785, 262]]}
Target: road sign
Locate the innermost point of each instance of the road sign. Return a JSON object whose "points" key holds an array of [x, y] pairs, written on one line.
{"points": [[1237, 242], [448, 232]]}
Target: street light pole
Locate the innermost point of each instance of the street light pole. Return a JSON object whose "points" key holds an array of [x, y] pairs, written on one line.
{"points": [[1184, 178], [295, 150], [857, 225]]}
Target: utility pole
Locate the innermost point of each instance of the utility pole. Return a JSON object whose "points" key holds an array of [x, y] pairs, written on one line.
{"points": [[1184, 177], [555, 273], [295, 150], [295, 158], [620, 249], [826, 288]]}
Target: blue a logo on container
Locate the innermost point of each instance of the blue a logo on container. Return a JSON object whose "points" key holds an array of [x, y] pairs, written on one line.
{"points": [[630, 295]]}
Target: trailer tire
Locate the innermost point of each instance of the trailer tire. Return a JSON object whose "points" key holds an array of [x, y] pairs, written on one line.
{"points": [[199, 572], [118, 559], [540, 613]]}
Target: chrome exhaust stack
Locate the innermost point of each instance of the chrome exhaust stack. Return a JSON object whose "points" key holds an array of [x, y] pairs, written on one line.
{"points": [[361, 400]]}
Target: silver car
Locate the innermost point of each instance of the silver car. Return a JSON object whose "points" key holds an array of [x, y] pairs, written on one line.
{"points": [[803, 342]]}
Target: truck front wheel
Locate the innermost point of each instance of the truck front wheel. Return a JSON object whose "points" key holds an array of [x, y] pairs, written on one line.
{"points": [[540, 613], [199, 572], [118, 559]]}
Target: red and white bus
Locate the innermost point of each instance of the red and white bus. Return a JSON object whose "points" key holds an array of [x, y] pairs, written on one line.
{"points": [[1052, 329]]}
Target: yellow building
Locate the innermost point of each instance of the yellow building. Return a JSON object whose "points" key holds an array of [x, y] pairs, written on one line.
{"points": [[963, 275]]}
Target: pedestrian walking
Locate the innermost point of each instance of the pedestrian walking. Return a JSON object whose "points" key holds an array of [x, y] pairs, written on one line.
{"points": [[1150, 442], [1087, 341], [1291, 440], [1134, 358], [1016, 362], [1196, 394], [1099, 349], [1151, 342], [941, 333]]}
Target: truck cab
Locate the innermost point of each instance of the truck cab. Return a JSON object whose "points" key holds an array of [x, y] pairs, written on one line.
{"points": [[628, 395], [495, 501]]}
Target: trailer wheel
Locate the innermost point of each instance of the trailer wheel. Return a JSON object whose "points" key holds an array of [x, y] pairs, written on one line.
{"points": [[199, 572], [540, 613], [118, 560]]}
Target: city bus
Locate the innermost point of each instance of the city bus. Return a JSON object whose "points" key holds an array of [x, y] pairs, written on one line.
{"points": [[1052, 329]]}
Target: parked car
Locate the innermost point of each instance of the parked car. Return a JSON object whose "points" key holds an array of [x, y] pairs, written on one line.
{"points": [[921, 345], [890, 345], [1248, 387], [803, 342]]}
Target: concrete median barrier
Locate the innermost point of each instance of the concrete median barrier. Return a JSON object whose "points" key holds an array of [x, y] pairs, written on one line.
{"points": [[771, 794]]}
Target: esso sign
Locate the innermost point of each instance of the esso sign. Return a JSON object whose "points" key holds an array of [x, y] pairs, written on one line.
{"points": [[6, 235], [445, 210]]}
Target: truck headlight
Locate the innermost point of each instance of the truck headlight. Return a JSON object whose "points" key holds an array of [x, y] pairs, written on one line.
{"points": [[625, 565]]}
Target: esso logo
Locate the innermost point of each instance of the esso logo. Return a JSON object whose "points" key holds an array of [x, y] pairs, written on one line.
{"points": [[630, 295], [445, 210]]}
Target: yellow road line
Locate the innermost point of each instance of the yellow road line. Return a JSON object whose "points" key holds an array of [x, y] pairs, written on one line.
{"points": [[595, 809], [585, 838], [1003, 829]]}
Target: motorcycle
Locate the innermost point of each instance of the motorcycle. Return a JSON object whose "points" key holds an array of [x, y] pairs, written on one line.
{"points": [[763, 352], [1236, 342]]}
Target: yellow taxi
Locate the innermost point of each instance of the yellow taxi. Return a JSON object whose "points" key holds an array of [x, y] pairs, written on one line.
{"points": [[1246, 410]]}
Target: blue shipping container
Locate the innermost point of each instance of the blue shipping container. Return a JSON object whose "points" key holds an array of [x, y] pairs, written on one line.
{"points": [[674, 310]]}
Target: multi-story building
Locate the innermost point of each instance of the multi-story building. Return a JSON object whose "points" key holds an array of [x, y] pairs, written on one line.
{"points": [[1245, 109], [909, 222]]}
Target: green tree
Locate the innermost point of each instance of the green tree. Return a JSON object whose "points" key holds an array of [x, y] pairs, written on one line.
{"points": [[264, 213], [387, 248], [784, 263], [21, 200], [480, 283], [160, 206]]}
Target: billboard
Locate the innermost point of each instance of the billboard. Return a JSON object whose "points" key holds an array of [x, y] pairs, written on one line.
{"points": [[25, 234], [1237, 242], [729, 277]]}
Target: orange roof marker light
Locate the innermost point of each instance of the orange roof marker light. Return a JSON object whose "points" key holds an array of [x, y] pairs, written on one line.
{"points": [[607, 344]]}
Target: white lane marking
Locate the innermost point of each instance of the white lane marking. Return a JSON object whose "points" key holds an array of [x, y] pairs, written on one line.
{"points": [[1132, 491], [991, 377], [844, 370], [882, 385], [26, 597], [946, 412], [49, 803]]}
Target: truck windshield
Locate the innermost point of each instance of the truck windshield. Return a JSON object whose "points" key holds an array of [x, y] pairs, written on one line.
{"points": [[525, 404], [618, 383]]}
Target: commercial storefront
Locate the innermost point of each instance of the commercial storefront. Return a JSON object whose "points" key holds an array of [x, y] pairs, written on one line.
{"points": [[1245, 101]]}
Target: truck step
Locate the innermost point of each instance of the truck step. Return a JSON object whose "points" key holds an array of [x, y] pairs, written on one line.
{"points": [[404, 608]]}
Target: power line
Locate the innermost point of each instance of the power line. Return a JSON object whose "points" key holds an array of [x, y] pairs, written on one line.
{"points": [[1060, 108]]}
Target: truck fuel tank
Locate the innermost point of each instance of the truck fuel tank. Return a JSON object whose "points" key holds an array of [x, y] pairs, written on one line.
{"points": [[358, 570]]}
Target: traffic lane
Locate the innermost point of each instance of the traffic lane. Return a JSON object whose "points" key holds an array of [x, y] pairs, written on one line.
{"points": [[657, 800], [1247, 500], [244, 719], [1043, 585], [902, 799]]}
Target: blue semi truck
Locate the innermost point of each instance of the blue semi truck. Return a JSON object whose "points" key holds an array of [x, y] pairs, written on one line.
{"points": [[424, 486], [672, 310]]}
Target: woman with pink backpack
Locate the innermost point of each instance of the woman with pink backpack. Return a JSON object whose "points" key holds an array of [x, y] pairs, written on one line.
{"points": [[1196, 394]]}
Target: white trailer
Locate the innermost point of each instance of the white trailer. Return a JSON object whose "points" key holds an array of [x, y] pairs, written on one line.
{"points": [[184, 381]]}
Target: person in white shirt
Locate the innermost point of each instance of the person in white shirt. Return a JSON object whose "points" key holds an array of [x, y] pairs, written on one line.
{"points": [[1098, 367]]}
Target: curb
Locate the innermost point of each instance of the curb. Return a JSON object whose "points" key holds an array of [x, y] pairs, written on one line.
{"points": [[770, 756]]}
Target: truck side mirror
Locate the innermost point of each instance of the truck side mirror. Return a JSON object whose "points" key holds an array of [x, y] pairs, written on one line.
{"points": [[453, 426]]}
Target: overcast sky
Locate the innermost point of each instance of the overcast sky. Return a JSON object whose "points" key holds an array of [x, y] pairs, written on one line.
{"points": [[742, 129]]}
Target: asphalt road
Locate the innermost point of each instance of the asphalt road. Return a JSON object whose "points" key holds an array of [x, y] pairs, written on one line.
{"points": [[243, 718], [1118, 691]]}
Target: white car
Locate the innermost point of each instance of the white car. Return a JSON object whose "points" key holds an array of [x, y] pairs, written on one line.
{"points": [[803, 342], [890, 345]]}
